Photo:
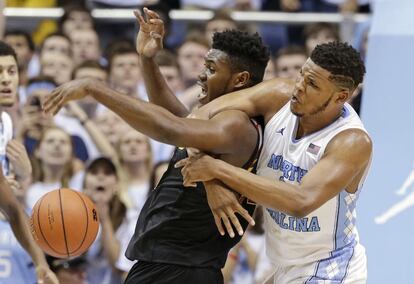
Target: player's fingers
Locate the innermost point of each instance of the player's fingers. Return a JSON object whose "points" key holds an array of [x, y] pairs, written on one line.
{"points": [[51, 97], [227, 224], [234, 220], [152, 14], [181, 163], [245, 214], [219, 226], [51, 101]]}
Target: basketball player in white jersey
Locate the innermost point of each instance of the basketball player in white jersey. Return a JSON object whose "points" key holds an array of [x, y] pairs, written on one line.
{"points": [[314, 161], [9, 205]]}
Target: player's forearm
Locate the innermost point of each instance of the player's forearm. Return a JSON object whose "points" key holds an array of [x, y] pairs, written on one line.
{"points": [[270, 193], [20, 225], [149, 119], [157, 89]]}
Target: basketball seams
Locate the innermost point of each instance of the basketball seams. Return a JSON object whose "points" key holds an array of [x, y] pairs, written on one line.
{"points": [[63, 224], [87, 223], [40, 227]]}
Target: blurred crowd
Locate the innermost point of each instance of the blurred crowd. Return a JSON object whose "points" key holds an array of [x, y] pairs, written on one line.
{"points": [[88, 148]]}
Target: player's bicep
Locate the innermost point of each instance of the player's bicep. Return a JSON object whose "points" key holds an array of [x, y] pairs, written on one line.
{"points": [[344, 159]]}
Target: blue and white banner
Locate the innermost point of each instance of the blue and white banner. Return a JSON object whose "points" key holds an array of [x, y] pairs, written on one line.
{"points": [[386, 205]]}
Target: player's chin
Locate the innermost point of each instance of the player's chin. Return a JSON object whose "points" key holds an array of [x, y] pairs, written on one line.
{"points": [[7, 102]]}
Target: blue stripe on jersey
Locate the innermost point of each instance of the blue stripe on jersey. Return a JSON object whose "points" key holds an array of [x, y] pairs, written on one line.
{"points": [[335, 268], [346, 217]]}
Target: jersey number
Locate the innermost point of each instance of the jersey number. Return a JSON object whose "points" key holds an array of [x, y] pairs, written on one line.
{"points": [[5, 264]]}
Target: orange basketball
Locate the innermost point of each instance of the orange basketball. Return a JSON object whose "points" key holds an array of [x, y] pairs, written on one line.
{"points": [[64, 223]]}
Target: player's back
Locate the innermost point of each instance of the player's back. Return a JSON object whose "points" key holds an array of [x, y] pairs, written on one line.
{"points": [[176, 225]]}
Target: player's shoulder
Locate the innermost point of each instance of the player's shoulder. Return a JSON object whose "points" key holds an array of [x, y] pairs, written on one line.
{"points": [[352, 141]]}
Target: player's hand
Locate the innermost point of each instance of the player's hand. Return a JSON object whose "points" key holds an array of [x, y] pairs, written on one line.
{"points": [[45, 275], [224, 204], [196, 168], [70, 91], [17, 155], [151, 33]]}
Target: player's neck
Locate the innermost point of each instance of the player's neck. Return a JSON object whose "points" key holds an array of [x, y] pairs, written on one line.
{"points": [[313, 123]]}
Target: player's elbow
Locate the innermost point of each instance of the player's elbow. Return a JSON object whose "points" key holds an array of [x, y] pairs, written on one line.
{"points": [[302, 207]]}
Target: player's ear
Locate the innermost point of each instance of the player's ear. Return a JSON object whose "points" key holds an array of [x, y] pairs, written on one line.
{"points": [[242, 79], [343, 95]]}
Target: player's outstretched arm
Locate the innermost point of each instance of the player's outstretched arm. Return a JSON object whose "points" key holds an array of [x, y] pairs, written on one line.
{"points": [[345, 158], [149, 42], [263, 99], [20, 226], [216, 135]]}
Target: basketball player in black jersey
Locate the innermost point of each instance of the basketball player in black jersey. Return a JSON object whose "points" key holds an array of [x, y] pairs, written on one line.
{"points": [[176, 239]]}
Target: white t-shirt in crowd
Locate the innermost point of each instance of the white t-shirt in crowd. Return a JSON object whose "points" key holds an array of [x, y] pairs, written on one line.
{"points": [[38, 189]]}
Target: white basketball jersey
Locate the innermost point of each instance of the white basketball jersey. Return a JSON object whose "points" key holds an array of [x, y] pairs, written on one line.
{"points": [[6, 134], [321, 234]]}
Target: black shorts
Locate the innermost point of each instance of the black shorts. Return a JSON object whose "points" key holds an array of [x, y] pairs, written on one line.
{"points": [[159, 273]]}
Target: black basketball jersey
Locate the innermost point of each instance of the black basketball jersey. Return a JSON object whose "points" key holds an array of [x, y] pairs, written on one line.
{"points": [[176, 224]]}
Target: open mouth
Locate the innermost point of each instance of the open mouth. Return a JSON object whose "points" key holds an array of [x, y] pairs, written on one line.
{"points": [[6, 91], [203, 93], [100, 188]]}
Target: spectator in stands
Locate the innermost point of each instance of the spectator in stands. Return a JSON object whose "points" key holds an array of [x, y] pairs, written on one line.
{"points": [[289, 61], [170, 70], [135, 157], [58, 66], [319, 33], [247, 262], [111, 125], [191, 57], [56, 43], [23, 45], [75, 17], [69, 271], [90, 69], [54, 165], [124, 71], [107, 263], [85, 45], [220, 22]]}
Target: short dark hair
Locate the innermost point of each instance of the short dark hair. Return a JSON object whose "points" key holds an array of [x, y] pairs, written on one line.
{"points": [[89, 64], [54, 34], [342, 60], [24, 34], [315, 28], [195, 37], [70, 9], [246, 52], [6, 50], [166, 58], [121, 47]]}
